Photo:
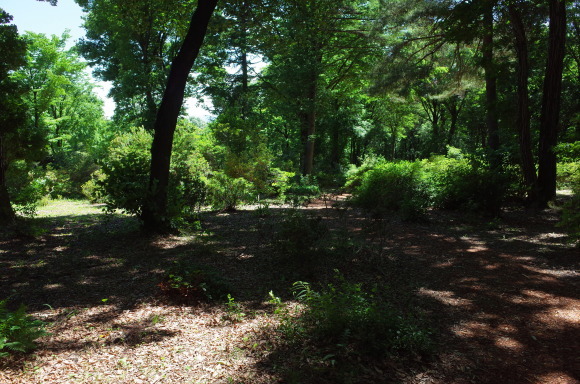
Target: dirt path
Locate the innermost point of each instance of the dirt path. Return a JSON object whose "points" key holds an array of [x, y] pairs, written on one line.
{"points": [[502, 297]]}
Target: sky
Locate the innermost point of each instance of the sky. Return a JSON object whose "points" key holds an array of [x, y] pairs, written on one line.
{"points": [[41, 17]]}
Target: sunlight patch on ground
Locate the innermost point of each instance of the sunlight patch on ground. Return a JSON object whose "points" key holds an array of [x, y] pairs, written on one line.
{"points": [[56, 208], [555, 378], [446, 297]]}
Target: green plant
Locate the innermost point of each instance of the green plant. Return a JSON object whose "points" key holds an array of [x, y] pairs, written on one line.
{"points": [[393, 188], [234, 311], [188, 282], [352, 320], [228, 193], [570, 213], [18, 330], [126, 175]]}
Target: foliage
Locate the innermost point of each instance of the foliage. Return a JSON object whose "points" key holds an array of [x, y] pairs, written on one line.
{"points": [[393, 188], [18, 330], [234, 312], [566, 172], [228, 193], [189, 282], [351, 320], [570, 213], [26, 187], [470, 184], [126, 174]]}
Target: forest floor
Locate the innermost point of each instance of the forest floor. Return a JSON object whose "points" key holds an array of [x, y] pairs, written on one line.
{"points": [[501, 297]]}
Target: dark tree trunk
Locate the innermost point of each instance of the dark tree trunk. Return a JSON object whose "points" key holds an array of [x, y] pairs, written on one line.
{"points": [[490, 85], [309, 126], [154, 213], [550, 115], [6, 211], [523, 117]]}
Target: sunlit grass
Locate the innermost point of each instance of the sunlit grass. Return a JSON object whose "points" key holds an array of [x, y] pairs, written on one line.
{"points": [[57, 208]]}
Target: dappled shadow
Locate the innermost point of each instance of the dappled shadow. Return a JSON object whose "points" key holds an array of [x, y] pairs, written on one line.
{"points": [[502, 297]]}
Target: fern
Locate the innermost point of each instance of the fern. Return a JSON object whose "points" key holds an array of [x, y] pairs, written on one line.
{"points": [[18, 330]]}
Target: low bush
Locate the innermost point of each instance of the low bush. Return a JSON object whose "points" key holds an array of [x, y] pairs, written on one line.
{"points": [[26, 187], [18, 330], [228, 193], [350, 320], [125, 177], [393, 188], [570, 213], [191, 283]]}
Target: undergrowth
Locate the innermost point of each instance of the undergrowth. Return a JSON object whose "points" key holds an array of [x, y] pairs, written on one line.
{"points": [[18, 330]]}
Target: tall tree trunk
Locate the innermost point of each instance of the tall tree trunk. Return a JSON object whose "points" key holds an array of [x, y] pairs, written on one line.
{"points": [[490, 85], [309, 128], [523, 117], [154, 213], [550, 115], [6, 211]]}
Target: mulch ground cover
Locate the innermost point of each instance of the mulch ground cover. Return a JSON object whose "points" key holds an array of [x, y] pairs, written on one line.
{"points": [[500, 296]]}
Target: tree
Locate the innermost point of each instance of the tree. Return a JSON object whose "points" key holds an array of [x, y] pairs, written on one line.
{"points": [[551, 101], [154, 214], [12, 113], [131, 44]]}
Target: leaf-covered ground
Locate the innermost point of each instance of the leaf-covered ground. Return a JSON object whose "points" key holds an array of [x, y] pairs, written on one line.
{"points": [[501, 297]]}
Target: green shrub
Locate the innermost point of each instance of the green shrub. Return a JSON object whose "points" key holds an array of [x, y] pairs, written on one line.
{"points": [[228, 193], [126, 175], [393, 188], [18, 330], [566, 173], [91, 189], [469, 184], [345, 316], [571, 211], [189, 282], [26, 187]]}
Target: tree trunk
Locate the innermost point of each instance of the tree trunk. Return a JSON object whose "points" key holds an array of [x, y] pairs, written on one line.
{"points": [[154, 213], [523, 117], [6, 211], [309, 128], [490, 86], [550, 114]]}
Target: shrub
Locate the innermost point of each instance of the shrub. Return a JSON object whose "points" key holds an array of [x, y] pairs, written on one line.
{"points": [[393, 188], [570, 213], [345, 316], [566, 173], [228, 193], [470, 184], [126, 175], [18, 330], [188, 282], [26, 187]]}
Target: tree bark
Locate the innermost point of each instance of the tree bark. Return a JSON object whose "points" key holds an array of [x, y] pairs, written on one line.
{"points": [[154, 214], [490, 86], [550, 115], [6, 211], [523, 116]]}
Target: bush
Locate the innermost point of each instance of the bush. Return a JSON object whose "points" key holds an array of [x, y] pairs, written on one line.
{"points": [[126, 175], [393, 188], [345, 316], [470, 184], [188, 282], [18, 330], [570, 212], [566, 173], [26, 187], [228, 193]]}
